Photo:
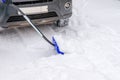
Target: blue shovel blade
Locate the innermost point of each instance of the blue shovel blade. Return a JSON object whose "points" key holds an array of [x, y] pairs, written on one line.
{"points": [[57, 47]]}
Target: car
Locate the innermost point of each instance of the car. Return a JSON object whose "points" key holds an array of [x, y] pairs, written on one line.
{"points": [[39, 11]]}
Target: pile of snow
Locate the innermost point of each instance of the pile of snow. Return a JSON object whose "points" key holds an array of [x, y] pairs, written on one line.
{"points": [[67, 67]]}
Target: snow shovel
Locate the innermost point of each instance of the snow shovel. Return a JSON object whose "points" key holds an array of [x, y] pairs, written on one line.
{"points": [[53, 43]]}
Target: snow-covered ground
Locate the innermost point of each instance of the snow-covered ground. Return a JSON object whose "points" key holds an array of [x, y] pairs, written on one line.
{"points": [[91, 43]]}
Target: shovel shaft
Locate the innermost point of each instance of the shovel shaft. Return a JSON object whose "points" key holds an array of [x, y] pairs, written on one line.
{"points": [[35, 27]]}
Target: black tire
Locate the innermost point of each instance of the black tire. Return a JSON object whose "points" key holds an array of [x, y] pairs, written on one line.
{"points": [[62, 22]]}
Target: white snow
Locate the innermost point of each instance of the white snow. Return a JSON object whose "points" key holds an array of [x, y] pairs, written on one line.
{"points": [[91, 44]]}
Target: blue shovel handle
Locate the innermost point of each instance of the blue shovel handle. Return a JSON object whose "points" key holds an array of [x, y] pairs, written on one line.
{"points": [[3, 1], [57, 47]]}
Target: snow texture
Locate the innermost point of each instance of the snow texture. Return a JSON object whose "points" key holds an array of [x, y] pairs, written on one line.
{"points": [[91, 44]]}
